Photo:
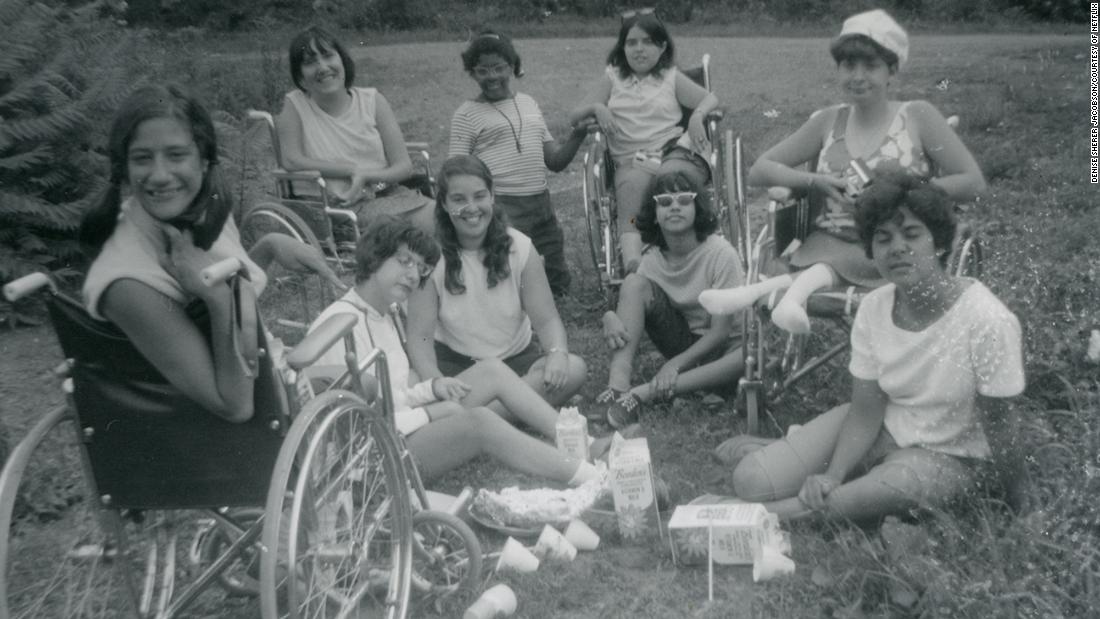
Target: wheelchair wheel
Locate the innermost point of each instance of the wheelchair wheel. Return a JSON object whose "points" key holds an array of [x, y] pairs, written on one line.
{"points": [[338, 528], [446, 556], [312, 293], [966, 256], [272, 217], [213, 540], [64, 556], [599, 216]]}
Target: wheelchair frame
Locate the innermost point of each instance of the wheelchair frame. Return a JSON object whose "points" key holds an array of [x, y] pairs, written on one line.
{"points": [[328, 549], [286, 193], [765, 379], [601, 210]]}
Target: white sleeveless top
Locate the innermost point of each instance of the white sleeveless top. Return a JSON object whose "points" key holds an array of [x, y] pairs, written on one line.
{"points": [[484, 322], [645, 110], [350, 138]]}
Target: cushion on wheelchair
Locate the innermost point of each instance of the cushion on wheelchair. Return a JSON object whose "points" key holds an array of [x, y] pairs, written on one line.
{"points": [[149, 445]]}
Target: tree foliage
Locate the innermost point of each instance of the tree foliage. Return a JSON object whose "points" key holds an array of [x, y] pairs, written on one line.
{"points": [[58, 85]]}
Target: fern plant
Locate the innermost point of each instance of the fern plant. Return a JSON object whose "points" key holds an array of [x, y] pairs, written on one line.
{"points": [[62, 72]]}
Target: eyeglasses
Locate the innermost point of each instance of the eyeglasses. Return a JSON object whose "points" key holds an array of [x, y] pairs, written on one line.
{"points": [[683, 198], [498, 70], [631, 14], [408, 262]]}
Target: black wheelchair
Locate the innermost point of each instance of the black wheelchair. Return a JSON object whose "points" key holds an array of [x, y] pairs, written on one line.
{"points": [[131, 500]]}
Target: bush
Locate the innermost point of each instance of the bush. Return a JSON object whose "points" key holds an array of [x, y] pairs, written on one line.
{"points": [[54, 101]]}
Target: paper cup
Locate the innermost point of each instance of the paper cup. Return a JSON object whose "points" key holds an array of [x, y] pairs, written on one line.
{"points": [[581, 536], [497, 601], [515, 556], [771, 564], [553, 545]]}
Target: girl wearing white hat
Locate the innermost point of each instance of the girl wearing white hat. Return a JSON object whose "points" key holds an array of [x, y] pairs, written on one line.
{"points": [[869, 128]]}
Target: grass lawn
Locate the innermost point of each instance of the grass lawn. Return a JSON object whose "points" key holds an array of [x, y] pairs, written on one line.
{"points": [[1022, 99]]}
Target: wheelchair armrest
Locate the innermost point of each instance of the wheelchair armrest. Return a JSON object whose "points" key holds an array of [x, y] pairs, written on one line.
{"points": [[416, 145], [260, 115], [318, 341], [301, 175], [784, 197]]}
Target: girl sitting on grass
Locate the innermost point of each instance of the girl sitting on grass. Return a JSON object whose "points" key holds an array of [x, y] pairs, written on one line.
{"points": [[637, 104], [506, 130], [444, 419], [882, 133], [934, 360], [684, 257], [491, 296]]}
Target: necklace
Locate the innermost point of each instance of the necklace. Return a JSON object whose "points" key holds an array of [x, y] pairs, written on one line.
{"points": [[515, 134]]}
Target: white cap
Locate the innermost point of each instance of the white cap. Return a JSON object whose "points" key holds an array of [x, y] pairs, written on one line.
{"points": [[878, 26]]}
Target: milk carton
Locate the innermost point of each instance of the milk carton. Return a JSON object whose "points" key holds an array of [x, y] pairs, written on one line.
{"points": [[734, 532], [632, 488], [572, 433]]}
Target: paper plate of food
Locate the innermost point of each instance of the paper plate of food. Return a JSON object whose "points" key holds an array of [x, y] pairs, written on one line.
{"points": [[524, 512]]}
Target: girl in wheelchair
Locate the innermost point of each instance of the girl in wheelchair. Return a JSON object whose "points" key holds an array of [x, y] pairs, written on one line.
{"points": [[446, 420], [871, 129], [934, 360], [637, 104], [164, 217], [684, 256], [349, 134]]}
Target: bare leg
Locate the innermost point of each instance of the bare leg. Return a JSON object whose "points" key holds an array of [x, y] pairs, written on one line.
{"points": [[907, 479], [491, 380], [634, 295], [449, 442], [732, 300], [790, 313], [778, 470], [632, 185], [716, 373], [578, 372]]}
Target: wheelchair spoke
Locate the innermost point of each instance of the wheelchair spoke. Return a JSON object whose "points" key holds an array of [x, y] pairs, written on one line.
{"points": [[347, 537]]}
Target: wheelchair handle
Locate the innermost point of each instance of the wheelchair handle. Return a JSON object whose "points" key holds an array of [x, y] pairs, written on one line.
{"points": [[320, 340], [220, 271], [27, 285]]}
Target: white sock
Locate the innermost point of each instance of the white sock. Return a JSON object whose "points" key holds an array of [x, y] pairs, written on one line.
{"points": [[730, 300], [791, 317], [585, 472]]}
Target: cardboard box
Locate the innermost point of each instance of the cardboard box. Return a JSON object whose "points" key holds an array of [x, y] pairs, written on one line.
{"points": [[739, 532], [571, 433], [632, 489]]}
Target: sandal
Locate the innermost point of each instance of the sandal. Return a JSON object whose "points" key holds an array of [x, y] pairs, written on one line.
{"points": [[624, 411], [609, 395]]}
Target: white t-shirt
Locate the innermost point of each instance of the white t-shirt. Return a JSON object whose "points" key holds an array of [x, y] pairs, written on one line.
{"points": [[484, 322], [932, 377], [376, 330]]}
